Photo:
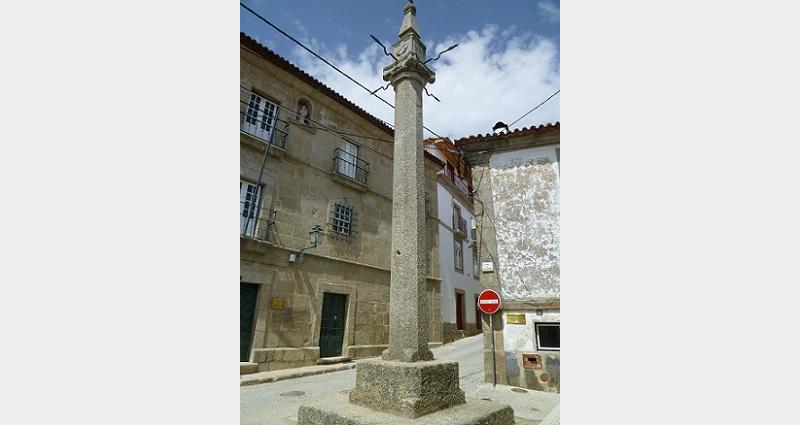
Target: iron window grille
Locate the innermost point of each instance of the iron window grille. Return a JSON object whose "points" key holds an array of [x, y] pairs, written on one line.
{"points": [[259, 118], [348, 164], [343, 220], [548, 336]]}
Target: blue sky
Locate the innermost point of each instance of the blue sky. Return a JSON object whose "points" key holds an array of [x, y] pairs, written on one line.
{"points": [[507, 61]]}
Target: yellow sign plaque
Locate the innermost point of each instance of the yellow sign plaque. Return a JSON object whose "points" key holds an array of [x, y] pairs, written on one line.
{"points": [[515, 318], [277, 303]]}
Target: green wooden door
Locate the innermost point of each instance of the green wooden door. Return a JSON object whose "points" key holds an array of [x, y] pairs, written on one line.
{"points": [[247, 309], [331, 334]]}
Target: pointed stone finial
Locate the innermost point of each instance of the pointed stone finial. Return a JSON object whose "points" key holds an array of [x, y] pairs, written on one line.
{"points": [[409, 19]]}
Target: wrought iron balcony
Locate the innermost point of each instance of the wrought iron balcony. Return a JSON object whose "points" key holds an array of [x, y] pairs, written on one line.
{"points": [[459, 226], [259, 118], [350, 166], [261, 227], [451, 175]]}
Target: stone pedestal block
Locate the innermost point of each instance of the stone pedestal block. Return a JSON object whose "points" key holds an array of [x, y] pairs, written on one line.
{"points": [[405, 389], [335, 410]]}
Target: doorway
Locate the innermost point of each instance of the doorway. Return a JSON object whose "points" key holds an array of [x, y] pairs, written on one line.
{"points": [[247, 308], [459, 311], [331, 334]]}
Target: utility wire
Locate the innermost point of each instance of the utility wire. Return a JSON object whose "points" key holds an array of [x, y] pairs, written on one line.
{"points": [[324, 60], [535, 108], [341, 134]]}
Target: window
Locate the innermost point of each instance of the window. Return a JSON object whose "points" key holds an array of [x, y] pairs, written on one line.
{"points": [[347, 160], [548, 336], [343, 219], [260, 118], [427, 203], [458, 249], [248, 207], [459, 222], [459, 311]]}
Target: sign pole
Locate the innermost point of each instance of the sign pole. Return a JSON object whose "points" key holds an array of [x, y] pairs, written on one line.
{"points": [[494, 355], [489, 303]]}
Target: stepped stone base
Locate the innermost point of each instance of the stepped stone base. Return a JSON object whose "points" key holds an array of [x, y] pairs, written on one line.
{"points": [[406, 389], [336, 410]]}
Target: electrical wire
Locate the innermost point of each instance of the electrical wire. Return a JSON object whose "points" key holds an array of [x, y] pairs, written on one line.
{"points": [[315, 54], [534, 108]]}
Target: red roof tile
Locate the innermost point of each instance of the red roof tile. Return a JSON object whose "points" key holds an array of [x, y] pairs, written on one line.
{"points": [[287, 66], [543, 128]]}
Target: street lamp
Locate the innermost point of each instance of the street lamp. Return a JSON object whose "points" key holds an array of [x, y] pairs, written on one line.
{"points": [[314, 238]]}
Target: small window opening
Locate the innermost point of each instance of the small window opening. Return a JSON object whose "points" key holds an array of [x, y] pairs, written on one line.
{"points": [[548, 336]]}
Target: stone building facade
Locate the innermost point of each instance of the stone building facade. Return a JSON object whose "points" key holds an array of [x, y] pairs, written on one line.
{"points": [[517, 177], [328, 164], [458, 249]]}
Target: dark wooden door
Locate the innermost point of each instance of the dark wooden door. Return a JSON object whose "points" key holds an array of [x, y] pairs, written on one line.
{"points": [[459, 311], [247, 309], [331, 334]]}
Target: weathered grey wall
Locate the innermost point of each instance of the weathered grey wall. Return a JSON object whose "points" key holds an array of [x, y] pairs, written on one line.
{"points": [[527, 216], [517, 208]]}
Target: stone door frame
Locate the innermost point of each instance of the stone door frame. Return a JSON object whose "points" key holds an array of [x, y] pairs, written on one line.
{"points": [[264, 277], [349, 324]]}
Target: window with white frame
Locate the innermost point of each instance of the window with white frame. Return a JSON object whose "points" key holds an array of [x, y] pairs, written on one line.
{"points": [[458, 256], [260, 118], [343, 219], [348, 159], [249, 195], [548, 336]]}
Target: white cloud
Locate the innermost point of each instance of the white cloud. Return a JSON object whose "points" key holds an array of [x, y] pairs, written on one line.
{"points": [[492, 76], [551, 11]]}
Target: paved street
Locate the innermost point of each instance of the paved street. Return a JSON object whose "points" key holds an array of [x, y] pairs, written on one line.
{"points": [[263, 404]]}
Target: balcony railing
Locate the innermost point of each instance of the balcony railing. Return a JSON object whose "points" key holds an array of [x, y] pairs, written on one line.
{"points": [[261, 227], [452, 176], [350, 166], [460, 224], [259, 118]]}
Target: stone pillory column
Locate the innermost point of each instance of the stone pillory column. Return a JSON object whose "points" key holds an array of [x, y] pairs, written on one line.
{"points": [[406, 386], [408, 308]]}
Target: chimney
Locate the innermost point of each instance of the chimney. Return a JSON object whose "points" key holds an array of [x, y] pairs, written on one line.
{"points": [[500, 128]]}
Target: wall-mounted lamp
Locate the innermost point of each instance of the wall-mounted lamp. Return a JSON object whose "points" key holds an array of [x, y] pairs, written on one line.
{"points": [[314, 238]]}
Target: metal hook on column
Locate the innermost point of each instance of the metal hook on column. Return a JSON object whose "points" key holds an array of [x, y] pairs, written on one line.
{"points": [[386, 52], [441, 53], [429, 94], [381, 88]]}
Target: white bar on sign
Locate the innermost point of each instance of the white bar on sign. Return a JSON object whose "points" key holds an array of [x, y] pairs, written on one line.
{"points": [[489, 302]]}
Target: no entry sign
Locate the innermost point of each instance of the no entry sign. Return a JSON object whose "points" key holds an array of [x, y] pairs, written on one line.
{"points": [[489, 301]]}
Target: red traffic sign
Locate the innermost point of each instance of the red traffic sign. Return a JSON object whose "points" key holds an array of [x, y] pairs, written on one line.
{"points": [[489, 301]]}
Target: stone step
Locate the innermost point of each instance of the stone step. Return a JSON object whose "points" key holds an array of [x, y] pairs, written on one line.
{"points": [[333, 360], [246, 368], [337, 410]]}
